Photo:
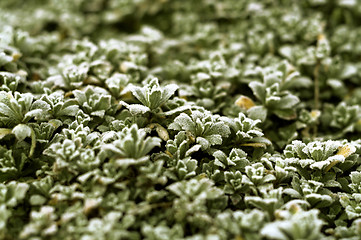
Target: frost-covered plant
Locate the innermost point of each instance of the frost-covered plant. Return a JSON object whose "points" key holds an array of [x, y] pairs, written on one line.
{"points": [[152, 95], [206, 119], [70, 154], [10, 166], [194, 197], [237, 159], [295, 224], [311, 191], [93, 101], [59, 106], [352, 232], [351, 201], [239, 224], [244, 130], [342, 117], [257, 175], [178, 157], [269, 201], [282, 170], [12, 195], [205, 93], [11, 81], [16, 108], [132, 144], [42, 222], [351, 205], [73, 76], [205, 129], [116, 83], [319, 155], [273, 91]]}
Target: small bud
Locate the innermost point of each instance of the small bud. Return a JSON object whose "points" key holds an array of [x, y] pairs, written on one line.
{"points": [[162, 132], [323, 47], [16, 56], [278, 215], [191, 137], [126, 66], [294, 208], [315, 114], [321, 37], [90, 204]]}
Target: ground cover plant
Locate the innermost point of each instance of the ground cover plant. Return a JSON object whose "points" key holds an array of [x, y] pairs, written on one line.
{"points": [[180, 119]]}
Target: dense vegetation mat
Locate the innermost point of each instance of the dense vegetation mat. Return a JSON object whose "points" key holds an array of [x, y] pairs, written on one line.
{"points": [[180, 119]]}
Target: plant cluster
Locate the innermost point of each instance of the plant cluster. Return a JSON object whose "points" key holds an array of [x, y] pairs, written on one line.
{"points": [[197, 120]]}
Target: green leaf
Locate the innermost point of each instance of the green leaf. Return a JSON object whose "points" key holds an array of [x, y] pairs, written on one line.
{"points": [[258, 90], [257, 112]]}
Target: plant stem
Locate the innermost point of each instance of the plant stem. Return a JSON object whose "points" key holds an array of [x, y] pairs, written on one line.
{"points": [[316, 92], [316, 82], [33, 143]]}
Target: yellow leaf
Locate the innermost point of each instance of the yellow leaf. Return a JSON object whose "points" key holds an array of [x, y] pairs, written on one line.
{"points": [[346, 150], [244, 102]]}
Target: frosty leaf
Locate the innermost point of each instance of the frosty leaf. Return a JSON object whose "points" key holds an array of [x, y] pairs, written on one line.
{"points": [[22, 131], [132, 143], [207, 129], [153, 95]]}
